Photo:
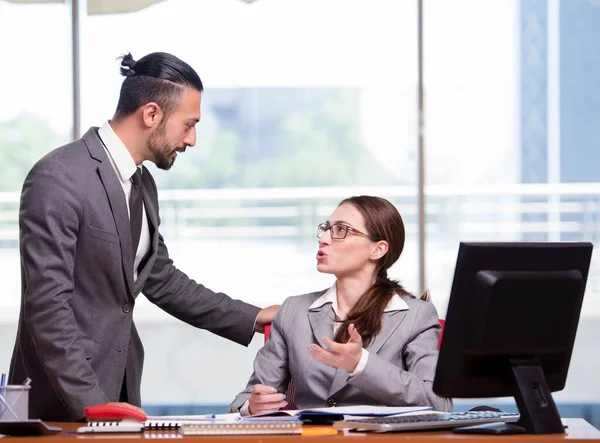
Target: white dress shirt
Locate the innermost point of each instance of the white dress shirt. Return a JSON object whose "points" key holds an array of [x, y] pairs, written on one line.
{"points": [[124, 166]]}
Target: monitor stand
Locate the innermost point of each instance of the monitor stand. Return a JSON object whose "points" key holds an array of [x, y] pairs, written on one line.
{"points": [[538, 412]]}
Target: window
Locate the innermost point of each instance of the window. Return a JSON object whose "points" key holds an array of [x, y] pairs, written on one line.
{"points": [[510, 142], [305, 103], [35, 117]]}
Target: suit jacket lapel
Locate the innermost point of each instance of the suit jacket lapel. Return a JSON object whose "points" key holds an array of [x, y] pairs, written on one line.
{"points": [[389, 323], [321, 323], [149, 205], [320, 320], [117, 201], [152, 217], [339, 381]]}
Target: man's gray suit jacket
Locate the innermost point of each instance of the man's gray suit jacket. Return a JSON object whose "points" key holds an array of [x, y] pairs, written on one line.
{"points": [[399, 371], [76, 338]]}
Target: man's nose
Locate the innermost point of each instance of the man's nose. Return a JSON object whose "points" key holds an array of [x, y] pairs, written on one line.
{"points": [[190, 139]]}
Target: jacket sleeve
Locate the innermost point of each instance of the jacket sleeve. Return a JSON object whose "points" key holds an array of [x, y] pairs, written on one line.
{"points": [[49, 226], [393, 386], [271, 362], [177, 294]]}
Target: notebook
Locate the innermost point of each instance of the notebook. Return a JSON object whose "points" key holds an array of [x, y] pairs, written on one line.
{"points": [[176, 421], [119, 427], [153, 423], [339, 412], [263, 427]]}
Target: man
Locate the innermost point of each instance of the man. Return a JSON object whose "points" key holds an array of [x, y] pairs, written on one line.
{"points": [[90, 243]]}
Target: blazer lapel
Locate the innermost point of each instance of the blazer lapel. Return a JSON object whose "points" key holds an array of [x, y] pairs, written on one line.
{"points": [[152, 217], [339, 381], [117, 201], [389, 323], [149, 205], [321, 323]]}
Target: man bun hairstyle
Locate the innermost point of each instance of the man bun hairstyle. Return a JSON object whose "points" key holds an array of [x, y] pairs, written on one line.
{"points": [[127, 63], [158, 77]]}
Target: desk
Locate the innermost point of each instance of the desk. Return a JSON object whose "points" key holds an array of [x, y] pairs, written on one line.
{"points": [[578, 431]]}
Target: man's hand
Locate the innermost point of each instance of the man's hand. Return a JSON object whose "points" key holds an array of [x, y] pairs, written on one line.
{"points": [[265, 399], [265, 317], [340, 355]]}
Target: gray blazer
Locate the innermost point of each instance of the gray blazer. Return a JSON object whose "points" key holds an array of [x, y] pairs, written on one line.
{"points": [[76, 338], [399, 371]]}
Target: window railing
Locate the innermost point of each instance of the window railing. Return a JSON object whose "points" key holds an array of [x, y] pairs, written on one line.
{"points": [[539, 212]]}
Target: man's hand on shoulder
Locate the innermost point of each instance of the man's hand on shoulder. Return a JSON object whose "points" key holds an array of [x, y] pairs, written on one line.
{"points": [[265, 317]]}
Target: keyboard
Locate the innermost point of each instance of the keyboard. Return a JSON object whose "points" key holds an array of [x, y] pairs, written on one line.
{"points": [[426, 421]]}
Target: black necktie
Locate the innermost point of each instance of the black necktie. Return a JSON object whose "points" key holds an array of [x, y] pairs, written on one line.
{"points": [[135, 209]]}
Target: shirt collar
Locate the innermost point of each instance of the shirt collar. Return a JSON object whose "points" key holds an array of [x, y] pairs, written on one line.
{"points": [[122, 159], [330, 296]]}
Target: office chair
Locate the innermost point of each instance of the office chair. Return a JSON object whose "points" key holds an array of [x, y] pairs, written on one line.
{"points": [[290, 391], [442, 323]]}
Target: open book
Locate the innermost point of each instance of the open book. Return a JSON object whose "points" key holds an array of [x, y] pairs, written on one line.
{"points": [[339, 412]]}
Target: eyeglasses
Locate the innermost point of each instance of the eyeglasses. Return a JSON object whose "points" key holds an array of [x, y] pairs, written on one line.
{"points": [[338, 230]]}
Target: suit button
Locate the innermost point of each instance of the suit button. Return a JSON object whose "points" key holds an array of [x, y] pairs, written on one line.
{"points": [[331, 402], [125, 309]]}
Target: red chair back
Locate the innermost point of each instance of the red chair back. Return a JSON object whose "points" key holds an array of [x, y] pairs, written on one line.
{"points": [[442, 323]]}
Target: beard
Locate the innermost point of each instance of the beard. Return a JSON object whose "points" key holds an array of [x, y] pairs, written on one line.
{"points": [[162, 152]]}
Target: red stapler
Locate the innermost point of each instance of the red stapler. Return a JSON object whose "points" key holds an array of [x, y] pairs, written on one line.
{"points": [[113, 412]]}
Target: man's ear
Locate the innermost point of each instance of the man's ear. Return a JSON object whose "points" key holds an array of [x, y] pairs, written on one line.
{"points": [[152, 115], [379, 249]]}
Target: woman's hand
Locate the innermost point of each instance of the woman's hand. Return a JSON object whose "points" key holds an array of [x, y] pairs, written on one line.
{"points": [[265, 399], [340, 355]]}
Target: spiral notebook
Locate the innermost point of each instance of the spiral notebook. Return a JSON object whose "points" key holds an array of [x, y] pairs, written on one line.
{"points": [[150, 424], [266, 427]]}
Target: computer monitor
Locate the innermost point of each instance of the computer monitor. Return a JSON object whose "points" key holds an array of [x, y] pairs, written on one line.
{"points": [[510, 327]]}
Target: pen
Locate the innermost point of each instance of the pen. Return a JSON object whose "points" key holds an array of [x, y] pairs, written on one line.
{"points": [[215, 417], [3, 380]]}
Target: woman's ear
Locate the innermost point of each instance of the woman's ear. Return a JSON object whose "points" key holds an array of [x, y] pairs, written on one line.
{"points": [[379, 249]]}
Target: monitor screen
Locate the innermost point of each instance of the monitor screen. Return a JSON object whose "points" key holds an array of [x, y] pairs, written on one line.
{"points": [[510, 326]]}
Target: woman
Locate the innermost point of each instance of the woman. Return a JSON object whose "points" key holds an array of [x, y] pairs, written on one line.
{"points": [[365, 340]]}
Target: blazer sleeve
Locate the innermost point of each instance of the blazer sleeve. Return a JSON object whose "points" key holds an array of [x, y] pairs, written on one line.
{"points": [[271, 362], [177, 294], [392, 385], [49, 225]]}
